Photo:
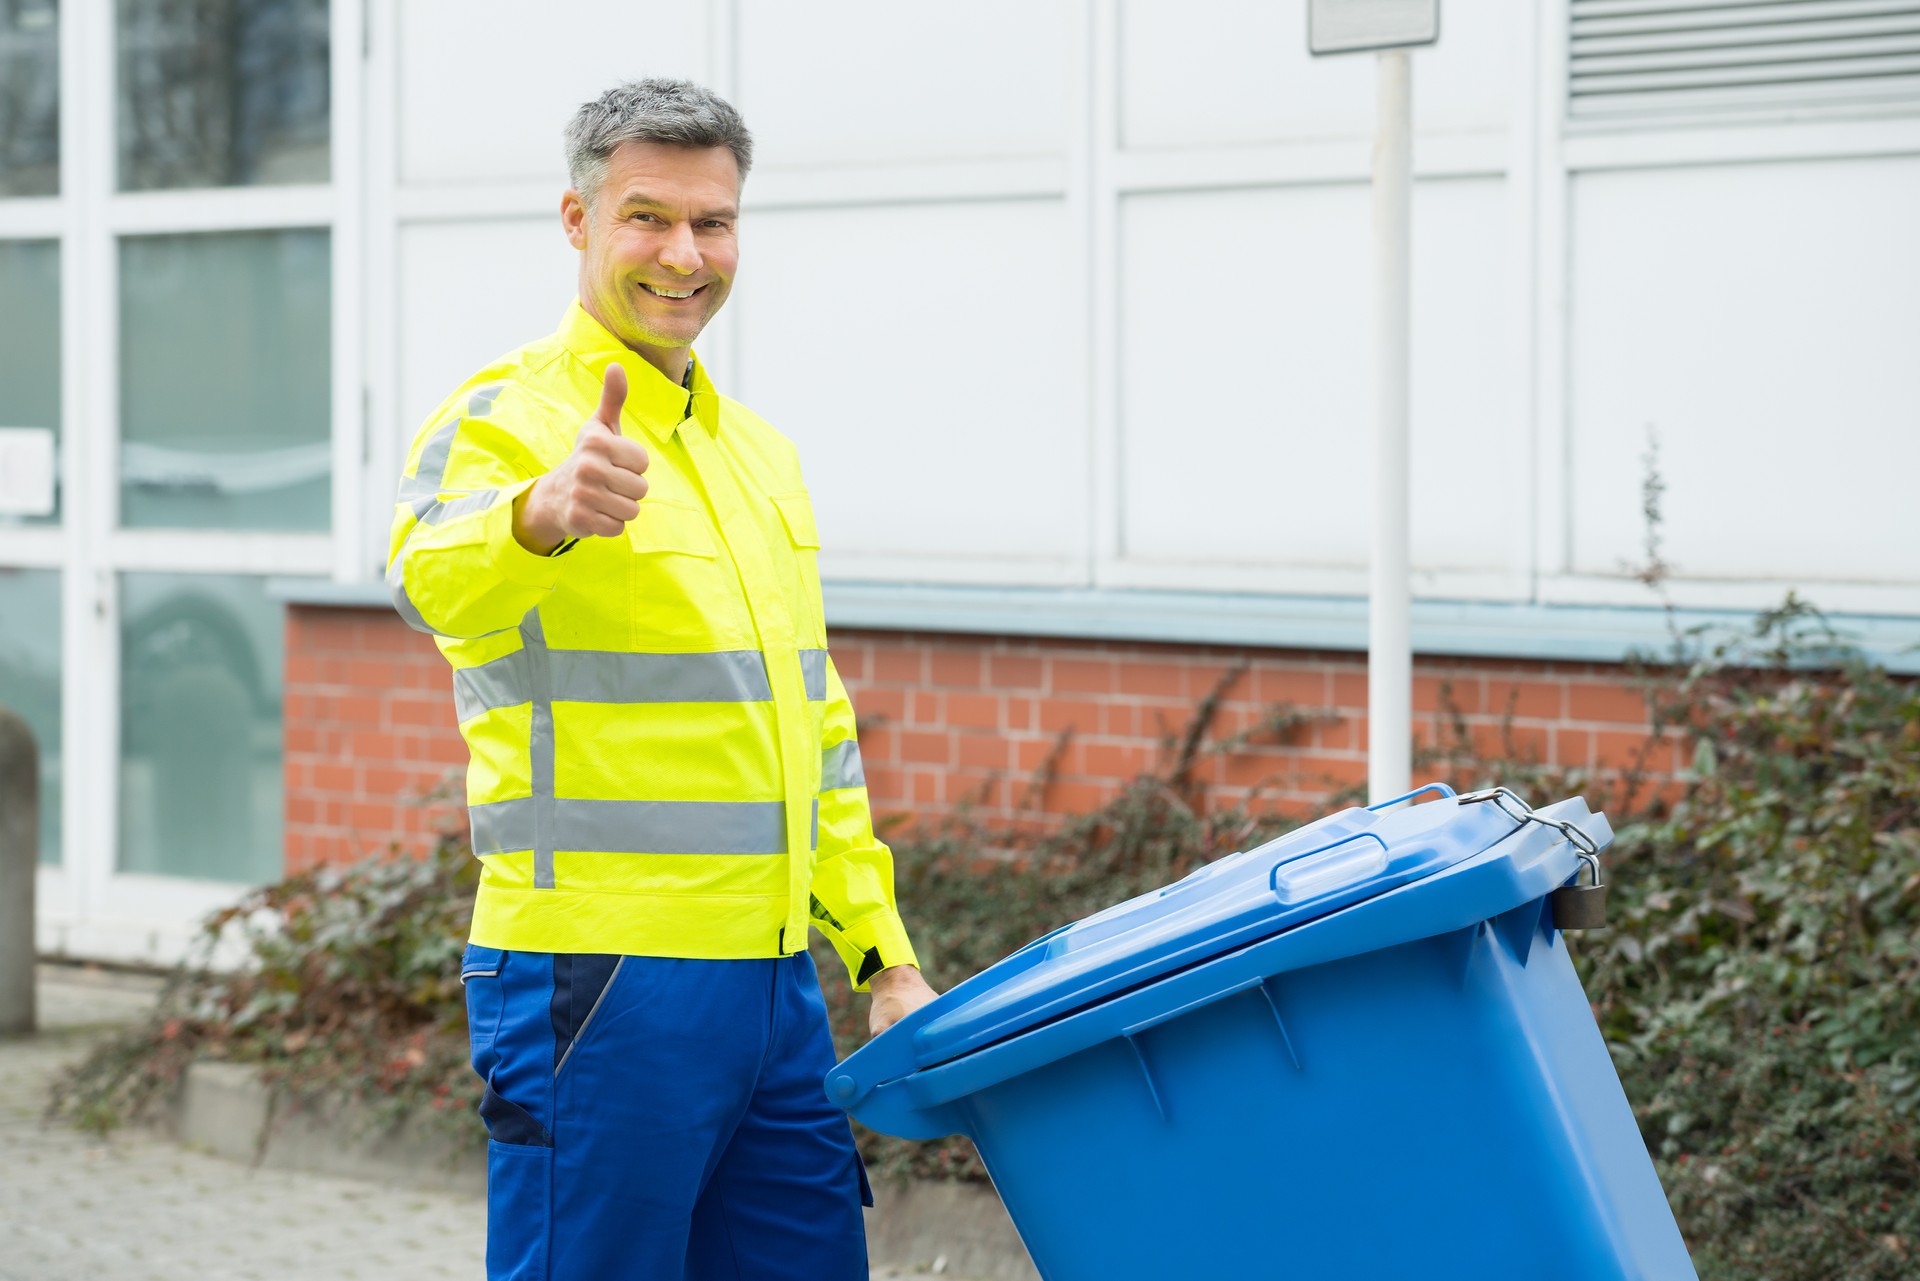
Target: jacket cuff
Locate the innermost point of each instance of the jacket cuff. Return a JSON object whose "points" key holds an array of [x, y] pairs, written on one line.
{"points": [[515, 563], [881, 942]]}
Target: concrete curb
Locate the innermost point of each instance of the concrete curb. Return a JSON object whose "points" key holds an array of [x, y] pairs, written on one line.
{"points": [[226, 1109]]}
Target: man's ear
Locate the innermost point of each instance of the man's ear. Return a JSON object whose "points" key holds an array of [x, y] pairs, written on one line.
{"points": [[573, 218]]}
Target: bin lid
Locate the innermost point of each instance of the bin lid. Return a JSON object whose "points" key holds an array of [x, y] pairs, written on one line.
{"points": [[1328, 865]]}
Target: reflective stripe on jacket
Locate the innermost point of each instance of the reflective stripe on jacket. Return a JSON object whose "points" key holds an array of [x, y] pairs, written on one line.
{"points": [[663, 757]]}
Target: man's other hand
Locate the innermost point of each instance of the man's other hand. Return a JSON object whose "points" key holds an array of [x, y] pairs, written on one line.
{"points": [[597, 490], [897, 992]]}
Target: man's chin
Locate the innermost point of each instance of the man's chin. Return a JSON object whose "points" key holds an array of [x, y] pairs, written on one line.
{"points": [[638, 334]]}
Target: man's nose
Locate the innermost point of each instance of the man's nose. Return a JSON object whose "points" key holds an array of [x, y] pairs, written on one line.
{"points": [[681, 252]]}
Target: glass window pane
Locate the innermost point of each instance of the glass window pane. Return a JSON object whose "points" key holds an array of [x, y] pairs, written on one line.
{"points": [[30, 345], [225, 392], [30, 679], [200, 785], [29, 97], [222, 93]]}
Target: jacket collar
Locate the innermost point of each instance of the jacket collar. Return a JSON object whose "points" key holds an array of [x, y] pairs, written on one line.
{"points": [[654, 401]]}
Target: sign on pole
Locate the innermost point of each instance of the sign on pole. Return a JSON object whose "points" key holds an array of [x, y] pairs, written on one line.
{"points": [[1348, 26], [1389, 26]]}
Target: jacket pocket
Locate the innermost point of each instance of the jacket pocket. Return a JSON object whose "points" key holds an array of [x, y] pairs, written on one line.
{"points": [[683, 595], [797, 511], [664, 526]]}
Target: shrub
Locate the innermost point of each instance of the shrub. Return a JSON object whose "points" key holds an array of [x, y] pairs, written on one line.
{"points": [[347, 990]]}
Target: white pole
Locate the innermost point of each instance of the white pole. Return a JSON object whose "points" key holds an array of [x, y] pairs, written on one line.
{"points": [[1389, 635]]}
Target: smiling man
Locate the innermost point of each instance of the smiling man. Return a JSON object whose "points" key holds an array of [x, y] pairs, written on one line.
{"points": [[665, 789]]}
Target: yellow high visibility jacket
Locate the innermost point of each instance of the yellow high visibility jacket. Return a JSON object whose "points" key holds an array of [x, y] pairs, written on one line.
{"points": [[663, 757]]}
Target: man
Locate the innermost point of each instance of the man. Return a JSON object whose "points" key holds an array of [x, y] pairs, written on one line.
{"points": [[665, 789]]}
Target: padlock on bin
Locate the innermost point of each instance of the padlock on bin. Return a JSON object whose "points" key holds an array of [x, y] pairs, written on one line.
{"points": [[1575, 906], [1359, 1050]]}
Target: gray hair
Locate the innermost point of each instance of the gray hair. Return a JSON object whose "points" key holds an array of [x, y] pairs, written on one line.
{"points": [[678, 112]]}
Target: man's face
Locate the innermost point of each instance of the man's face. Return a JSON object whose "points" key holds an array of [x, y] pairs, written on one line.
{"points": [[659, 247]]}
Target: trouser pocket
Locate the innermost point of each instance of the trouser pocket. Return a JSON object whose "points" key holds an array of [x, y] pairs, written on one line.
{"points": [[519, 1210]]}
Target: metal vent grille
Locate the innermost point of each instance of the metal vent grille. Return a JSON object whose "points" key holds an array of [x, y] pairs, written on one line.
{"points": [[1650, 58]]}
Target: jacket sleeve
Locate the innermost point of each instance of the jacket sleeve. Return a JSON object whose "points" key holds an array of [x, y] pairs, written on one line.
{"points": [[853, 904], [454, 568]]}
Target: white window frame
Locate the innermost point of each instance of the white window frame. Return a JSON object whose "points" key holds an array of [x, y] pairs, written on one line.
{"points": [[87, 906]]}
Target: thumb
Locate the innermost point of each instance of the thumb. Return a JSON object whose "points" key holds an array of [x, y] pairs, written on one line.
{"points": [[613, 394]]}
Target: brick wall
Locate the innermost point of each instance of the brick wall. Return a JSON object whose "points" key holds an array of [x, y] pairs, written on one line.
{"points": [[947, 719], [952, 718], [369, 734]]}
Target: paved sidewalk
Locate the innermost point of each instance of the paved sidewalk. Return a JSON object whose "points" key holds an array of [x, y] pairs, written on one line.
{"points": [[135, 1207]]}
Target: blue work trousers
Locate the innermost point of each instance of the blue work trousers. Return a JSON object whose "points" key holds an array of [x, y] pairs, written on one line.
{"points": [[661, 1119]]}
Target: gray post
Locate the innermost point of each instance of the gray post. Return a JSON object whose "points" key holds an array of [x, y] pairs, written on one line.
{"points": [[19, 867]]}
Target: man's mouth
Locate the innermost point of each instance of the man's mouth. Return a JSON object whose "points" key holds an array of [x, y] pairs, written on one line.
{"points": [[660, 292]]}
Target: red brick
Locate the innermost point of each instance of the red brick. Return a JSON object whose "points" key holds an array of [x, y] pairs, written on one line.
{"points": [[1494, 741], [850, 661], [1572, 748], [885, 783], [924, 708], [1154, 679], [974, 711], [379, 780], [956, 669], [899, 666], [1076, 798], [1083, 675], [1348, 689], [1081, 714], [1621, 750], [929, 748], [420, 712], [1119, 762], [1615, 704], [1023, 714], [1528, 699], [982, 751], [1452, 692], [1029, 754], [1202, 679], [372, 744], [353, 710], [1289, 685], [329, 776], [1254, 769], [884, 704], [369, 817], [928, 787], [1337, 771], [1014, 671], [879, 745]]}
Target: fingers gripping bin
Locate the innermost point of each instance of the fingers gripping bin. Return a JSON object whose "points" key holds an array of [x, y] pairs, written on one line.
{"points": [[1359, 1051]]}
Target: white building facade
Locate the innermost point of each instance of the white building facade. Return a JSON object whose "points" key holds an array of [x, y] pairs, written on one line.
{"points": [[1064, 301]]}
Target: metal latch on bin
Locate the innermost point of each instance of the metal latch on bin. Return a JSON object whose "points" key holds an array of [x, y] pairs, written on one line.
{"points": [[1575, 906]]}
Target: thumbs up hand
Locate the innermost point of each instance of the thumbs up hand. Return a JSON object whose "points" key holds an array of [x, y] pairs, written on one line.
{"points": [[597, 490]]}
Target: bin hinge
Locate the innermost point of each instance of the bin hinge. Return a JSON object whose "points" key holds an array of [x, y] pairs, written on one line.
{"points": [[1575, 906]]}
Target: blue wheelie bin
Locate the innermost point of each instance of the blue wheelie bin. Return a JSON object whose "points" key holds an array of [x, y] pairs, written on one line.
{"points": [[1359, 1051]]}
